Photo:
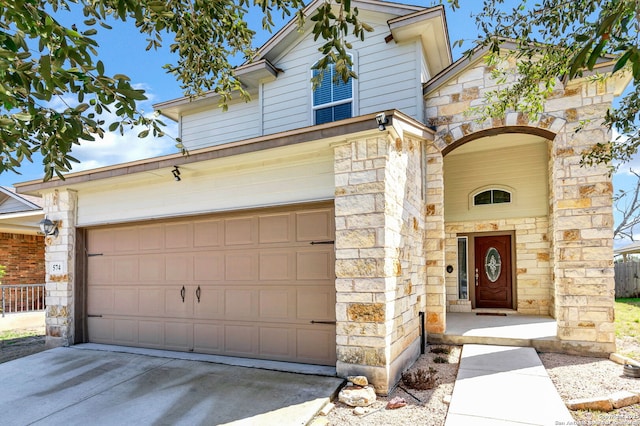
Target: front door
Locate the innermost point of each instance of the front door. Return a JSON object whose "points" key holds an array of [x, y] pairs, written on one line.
{"points": [[493, 272]]}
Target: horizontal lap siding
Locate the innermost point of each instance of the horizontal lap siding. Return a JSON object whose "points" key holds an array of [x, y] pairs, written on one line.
{"points": [[522, 168], [216, 127], [252, 180]]}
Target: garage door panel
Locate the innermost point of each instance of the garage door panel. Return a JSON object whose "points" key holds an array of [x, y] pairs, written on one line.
{"points": [[211, 304], [208, 338], [126, 240], [151, 237], [177, 236], [175, 306], [100, 330], [179, 268], [316, 304], [277, 343], [276, 304], [239, 304], [209, 266], [314, 225], [125, 269], [252, 284], [178, 335], [125, 300], [239, 339], [150, 334], [317, 345], [100, 270], [275, 228], [207, 233], [314, 265], [101, 301], [241, 266], [152, 301], [276, 266], [125, 331], [239, 231]]}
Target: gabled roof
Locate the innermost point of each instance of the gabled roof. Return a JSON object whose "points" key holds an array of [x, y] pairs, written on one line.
{"points": [[21, 202], [19, 214], [409, 22], [603, 65]]}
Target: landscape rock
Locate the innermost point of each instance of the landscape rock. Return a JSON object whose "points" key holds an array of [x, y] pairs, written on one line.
{"points": [[359, 411], [597, 404], [356, 396], [623, 399], [396, 402], [327, 409], [358, 380]]}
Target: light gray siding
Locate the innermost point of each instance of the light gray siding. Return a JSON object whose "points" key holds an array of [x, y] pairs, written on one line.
{"points": [[215, 127], [389, 77]]}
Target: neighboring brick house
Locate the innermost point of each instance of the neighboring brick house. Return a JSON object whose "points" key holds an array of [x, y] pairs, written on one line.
{"points": [[21, 248], [306, 227]]}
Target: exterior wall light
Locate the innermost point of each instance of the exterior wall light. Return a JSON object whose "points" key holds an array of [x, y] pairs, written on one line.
{"points": [[381, 119], [48, 227], [176, 173]]}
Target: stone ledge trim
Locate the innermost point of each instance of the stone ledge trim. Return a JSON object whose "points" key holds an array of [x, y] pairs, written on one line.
{"points": [[607, 403]]}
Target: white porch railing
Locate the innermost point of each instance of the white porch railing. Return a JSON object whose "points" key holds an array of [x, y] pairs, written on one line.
{"points": [[22, 298]]}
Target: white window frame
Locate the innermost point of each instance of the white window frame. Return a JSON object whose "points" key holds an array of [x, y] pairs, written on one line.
{"points": [[332, 104], [478, 191]]}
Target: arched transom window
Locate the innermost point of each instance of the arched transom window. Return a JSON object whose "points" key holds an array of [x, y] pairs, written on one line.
{"points": [[492, 196]]}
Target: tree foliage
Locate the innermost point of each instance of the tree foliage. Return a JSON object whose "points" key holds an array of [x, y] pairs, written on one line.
{"points": [[54, 89], [561, 40]]}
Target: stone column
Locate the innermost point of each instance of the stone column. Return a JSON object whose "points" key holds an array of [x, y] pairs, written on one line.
{"points": [[435, 243], [60, 207], [583, 235], [361, 285]]}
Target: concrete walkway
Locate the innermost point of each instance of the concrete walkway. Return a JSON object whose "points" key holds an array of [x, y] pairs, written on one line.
{"points": [[504, 385]]}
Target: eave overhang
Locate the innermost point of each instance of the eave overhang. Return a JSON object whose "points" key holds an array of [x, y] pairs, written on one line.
{"points": [[430, 25], [334, 132]]}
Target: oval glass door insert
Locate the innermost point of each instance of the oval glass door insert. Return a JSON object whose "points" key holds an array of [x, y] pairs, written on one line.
{"points": [[492, 264]]}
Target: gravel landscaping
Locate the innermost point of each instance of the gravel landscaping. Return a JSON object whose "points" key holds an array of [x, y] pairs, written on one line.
{"points": [[574, 377]]}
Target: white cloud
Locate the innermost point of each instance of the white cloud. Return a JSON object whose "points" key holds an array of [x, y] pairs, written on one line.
{"points": [[115, 148]]}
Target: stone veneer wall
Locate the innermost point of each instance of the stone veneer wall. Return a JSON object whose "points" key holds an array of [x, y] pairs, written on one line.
{"points": [[380, 265], [534, 289], [580, 197], [60, 251]]}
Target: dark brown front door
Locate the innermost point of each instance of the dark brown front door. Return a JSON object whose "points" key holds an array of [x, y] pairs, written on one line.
{"points": [[493, 272]]}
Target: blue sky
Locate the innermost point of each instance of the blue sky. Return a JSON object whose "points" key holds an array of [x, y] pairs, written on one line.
{"points": [[122, 49]]}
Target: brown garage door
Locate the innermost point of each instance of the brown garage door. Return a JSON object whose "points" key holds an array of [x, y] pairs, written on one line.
{"points": [[252, 284]]}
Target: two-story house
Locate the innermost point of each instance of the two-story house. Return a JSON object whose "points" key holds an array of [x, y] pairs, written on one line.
{"points": [[340, 225]]}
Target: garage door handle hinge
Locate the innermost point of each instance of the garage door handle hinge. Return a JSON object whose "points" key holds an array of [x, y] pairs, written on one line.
{"points": [[94, 254], [183, 292], [94, 316], [198, 294], [323, 322], [313, 243]]}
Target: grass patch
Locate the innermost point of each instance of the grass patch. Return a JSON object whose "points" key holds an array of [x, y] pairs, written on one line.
{"points": [[18, 334], [628, 321], [441, 360], [440, 350]]}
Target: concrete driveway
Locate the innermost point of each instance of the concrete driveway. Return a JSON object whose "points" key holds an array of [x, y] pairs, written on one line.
{"points": [[79, 386]]}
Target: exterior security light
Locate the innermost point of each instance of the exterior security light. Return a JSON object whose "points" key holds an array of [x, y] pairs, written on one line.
{"points": [[176, 173], [381, 119], [48, 227]]}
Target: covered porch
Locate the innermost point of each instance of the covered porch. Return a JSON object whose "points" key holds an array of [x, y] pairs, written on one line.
{"points": [[499, 328]]}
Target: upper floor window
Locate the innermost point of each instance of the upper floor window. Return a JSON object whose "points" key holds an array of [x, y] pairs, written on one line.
{"points": [[492, 196], [333, 98]]}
